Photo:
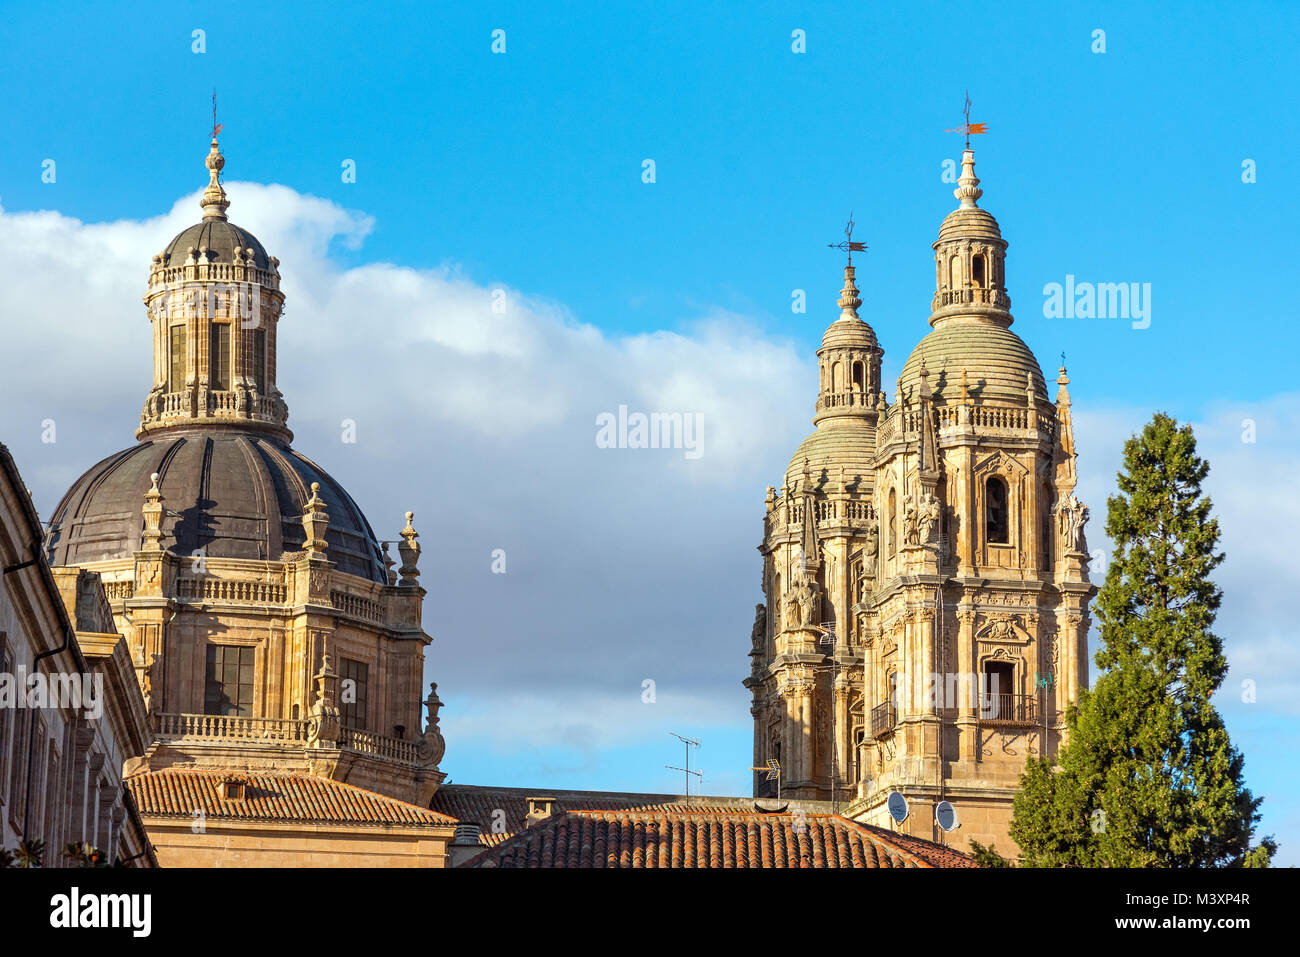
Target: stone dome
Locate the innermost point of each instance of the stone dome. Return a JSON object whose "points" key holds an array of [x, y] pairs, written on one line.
{"points": [[849, 332], [995, 359], [847, 443], [233, 493], [220, 238]]}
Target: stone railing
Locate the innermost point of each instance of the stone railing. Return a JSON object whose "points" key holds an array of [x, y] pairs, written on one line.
{"points": [[233, 590], [214, 272], [117, 591], [828, 512], [217, 403], [854, 399], [381, 745], [980, 296], [358, 606], [229, 727]]}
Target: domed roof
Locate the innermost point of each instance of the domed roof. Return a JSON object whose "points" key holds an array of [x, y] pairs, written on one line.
{"points": [[221, 238], [849, 332], [235, 494], [994, 358], [847, 443], [969, 222]]}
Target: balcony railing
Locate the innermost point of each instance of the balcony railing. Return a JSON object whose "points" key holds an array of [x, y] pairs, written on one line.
{"points": [[1010, 709], [233, 729], [883, 718], [229, 727]]}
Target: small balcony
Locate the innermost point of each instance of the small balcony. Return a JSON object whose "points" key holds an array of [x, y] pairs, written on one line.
{"points": [[883, 718], [1010, 710]]}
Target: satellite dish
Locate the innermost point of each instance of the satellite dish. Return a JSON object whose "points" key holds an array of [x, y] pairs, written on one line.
{"points": [[897, 805], [945, 815]]}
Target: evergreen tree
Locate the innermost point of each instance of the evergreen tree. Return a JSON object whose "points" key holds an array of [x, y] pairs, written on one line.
{"points": [[1148, 777]]}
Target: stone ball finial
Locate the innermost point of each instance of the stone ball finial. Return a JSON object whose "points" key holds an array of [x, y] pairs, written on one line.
{"points": [[315, 487], [409, 516], [153, 479]]}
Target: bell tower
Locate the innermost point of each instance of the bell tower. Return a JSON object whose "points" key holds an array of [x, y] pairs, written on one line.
{"points": [[980, 603], [819, 547]]}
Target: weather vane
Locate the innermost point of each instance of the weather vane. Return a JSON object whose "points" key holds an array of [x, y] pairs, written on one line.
{"points": [[849, 245], [216, 127], [968, 127]]}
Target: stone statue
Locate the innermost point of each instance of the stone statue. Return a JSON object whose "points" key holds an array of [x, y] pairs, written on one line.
{"points": [[872, 551], [910, 531], [928, 520], [1074, 515], [800, 603], [759, 633]]}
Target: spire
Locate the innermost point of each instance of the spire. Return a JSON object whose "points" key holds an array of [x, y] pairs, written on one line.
{"points": [[214, 201], [1063, 394], [968, 186]]}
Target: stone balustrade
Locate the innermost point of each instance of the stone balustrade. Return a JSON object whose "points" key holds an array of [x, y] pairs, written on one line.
{"points": [[381, 745], [229, 727], [233, 590]]}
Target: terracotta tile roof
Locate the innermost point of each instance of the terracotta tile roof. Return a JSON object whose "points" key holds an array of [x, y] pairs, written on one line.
{"points": [[485, 805], [938, 855], [272, 796], [693, 838]]}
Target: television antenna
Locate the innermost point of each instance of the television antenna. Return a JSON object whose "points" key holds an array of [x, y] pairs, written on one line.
{"points": [[689, 743], [773, 773]]}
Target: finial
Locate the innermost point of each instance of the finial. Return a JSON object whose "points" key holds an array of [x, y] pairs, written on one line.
{"points": [[968, 185], [153, 482], [409, 549], [214, 201]]}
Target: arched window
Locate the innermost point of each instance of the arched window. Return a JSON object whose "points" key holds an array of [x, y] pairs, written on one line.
{"points": [[892, 543], [859, 377], [996, 528], [837, 377], [977, 271], [954, 273]]}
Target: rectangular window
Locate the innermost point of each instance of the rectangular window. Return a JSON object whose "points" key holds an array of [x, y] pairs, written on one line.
{"points": [[355, 676], [229, 686], [259, 360], [219, 357], [5, 725], [176, 379], [18, 766]]}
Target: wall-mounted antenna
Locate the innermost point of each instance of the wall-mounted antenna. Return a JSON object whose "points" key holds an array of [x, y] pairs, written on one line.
{"points": [[690, 743]]}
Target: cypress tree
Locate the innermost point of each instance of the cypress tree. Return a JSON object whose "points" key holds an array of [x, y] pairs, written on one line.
{"points": [[1149, 777]]}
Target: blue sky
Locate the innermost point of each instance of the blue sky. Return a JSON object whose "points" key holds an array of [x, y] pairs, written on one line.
{"points": [[523, 170]]}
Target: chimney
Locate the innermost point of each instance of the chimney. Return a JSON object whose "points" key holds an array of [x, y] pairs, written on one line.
{"points": [[539, 809], [466, 844]]}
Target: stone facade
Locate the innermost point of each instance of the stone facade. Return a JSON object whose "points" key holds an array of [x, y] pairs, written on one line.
{"points": [[924, 565], [63, 750]]}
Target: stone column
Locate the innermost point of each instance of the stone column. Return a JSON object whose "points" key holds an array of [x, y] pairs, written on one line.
{"points": [[967, 657]]}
